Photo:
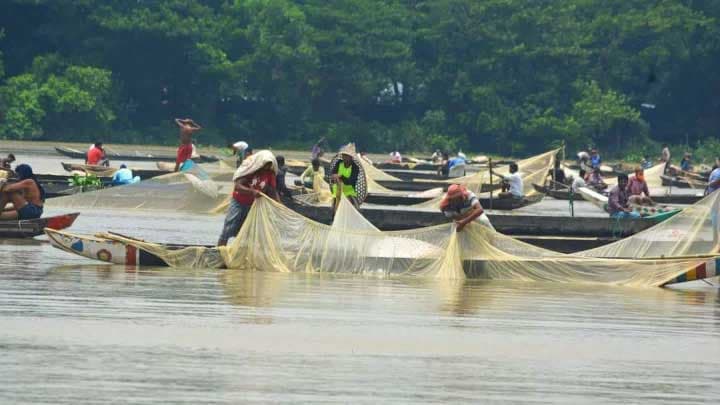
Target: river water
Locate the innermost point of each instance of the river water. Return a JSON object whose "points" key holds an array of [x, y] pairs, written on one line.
{"points": [[75, 331]]}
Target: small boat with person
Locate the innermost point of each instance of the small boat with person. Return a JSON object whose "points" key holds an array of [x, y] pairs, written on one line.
{"points": [[137, 156]]}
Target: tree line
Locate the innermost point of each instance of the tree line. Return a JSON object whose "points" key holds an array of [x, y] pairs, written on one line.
{"points": [[501, 76]]}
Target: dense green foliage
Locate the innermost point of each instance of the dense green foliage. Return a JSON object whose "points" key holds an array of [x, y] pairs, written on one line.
{"points": [[506, 76]]}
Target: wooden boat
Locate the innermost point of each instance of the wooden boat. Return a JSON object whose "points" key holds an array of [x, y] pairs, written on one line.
{"points": [[562, 194], [681, 182], [427, 185], [99, 247], [502, 204], [122, 253], [137, 156], [103, 171], [28, 228]]}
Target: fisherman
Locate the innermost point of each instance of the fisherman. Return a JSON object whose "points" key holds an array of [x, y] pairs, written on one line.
{"points": [[462, 206], [578, 182], [96, 155], [26, 195], [308, 176], [395, 157], [685, 164], [618, 206], [595, 160], [239, 149], [282, 189], [584, 160], [713, 179], [185, 150], [443, 169], [557, 176], [344, 173], [317, 151], [256, 175], [5, 163], [436, 156], [455, 162], [665, 154], [595, 180], [637, 187], [124, 176], [512, 184]]}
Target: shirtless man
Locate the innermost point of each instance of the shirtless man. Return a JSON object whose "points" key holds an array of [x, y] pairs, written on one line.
{"points": [[185, 150], [26, 196]]}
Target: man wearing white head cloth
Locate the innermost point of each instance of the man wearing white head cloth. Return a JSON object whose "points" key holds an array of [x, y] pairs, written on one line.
{"points": [[256, 175]]}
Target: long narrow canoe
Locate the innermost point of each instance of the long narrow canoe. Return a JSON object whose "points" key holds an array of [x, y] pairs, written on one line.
{"points": [[118, 252], [137, 156], [102, 171], [681, 182], [28, 228], [427, 185], [675, 198], [108, 250], [496, 203]]}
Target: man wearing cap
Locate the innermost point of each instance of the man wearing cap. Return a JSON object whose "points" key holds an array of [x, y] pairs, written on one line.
{"points": [[462, 206], [239, 149]]}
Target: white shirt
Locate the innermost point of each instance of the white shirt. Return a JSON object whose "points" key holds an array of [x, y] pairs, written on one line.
{"points": [[666, 155], [396, 157], [240, 146], [516, 184], [577, 183]]}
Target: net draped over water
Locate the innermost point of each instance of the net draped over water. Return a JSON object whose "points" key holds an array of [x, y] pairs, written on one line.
{"points": [[275, 238]]}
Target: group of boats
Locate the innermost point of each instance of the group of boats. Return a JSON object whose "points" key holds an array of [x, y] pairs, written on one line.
{"points": [[394, 208]]}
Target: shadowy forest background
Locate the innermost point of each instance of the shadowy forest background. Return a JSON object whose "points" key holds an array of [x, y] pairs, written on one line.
{"points": [[496, 76]]}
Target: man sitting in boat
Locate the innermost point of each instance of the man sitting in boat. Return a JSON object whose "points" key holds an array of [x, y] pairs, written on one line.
{"points": [[577, 182], [96, 156], [584, 160], [512, 186], [256, 175], [595, 180], [595, 160], [462, 206], [618, 206], [345, 175], [308, 176], [637, 189], [6, 162], [685, 163], [714, 179], [555, 179], [124, 176], [26, 195], [395, 157], [282, 189], [443, 169], [185, 150]]}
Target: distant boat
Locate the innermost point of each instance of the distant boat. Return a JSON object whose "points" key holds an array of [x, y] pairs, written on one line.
{"points": [[137, 156]]}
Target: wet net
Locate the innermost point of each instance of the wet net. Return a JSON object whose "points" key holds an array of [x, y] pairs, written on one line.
{"points": [[275, 238], [192, 191]]}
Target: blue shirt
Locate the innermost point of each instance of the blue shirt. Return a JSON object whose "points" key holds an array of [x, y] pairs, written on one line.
{"points": [[123, 176], [455, 161], [595, 161], [685, 165], [714, 176]]}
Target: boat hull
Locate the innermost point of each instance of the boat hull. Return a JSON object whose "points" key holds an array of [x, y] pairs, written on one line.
{"points": [[76, 154], [29, 228]]}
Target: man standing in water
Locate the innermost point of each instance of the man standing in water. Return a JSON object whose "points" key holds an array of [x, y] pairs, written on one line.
{"points": [[256, 175], [185, 150], [26, 195]]}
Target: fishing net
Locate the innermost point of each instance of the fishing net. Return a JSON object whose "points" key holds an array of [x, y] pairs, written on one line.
{"points": [[192, 191], [275, 238], [692, 232]]}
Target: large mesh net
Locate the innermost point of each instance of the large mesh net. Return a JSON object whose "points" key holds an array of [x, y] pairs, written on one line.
{"points": [[275, 238], [192, 191]]}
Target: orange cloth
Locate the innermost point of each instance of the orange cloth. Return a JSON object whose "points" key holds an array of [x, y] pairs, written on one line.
{"points": [[95, 155]]}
